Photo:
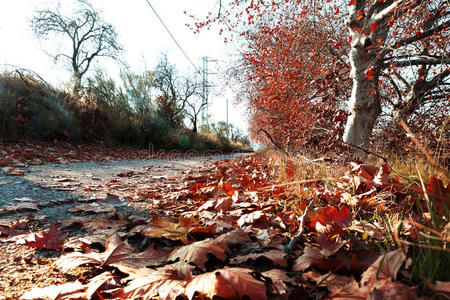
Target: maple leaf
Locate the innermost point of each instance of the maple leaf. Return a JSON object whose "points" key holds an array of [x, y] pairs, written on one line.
{"points": [[280, 280], [104, 281], [340, 287], [117, 252], [197, 253], [162, 227], [52, 239], [386, 266], [276, 256], [232, 238], [227, 283], [331, 216], [70, 290], [251, 218], [148, 284]]}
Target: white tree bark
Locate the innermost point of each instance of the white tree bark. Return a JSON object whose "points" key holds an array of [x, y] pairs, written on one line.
{"points": [[364, 104]]}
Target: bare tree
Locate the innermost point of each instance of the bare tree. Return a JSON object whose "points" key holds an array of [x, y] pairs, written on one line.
{"points": [[90, 36], [176, 91], [194, 113]]}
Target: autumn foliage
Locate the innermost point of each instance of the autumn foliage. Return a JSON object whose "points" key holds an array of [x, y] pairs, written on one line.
{"points": [[307, 65]]}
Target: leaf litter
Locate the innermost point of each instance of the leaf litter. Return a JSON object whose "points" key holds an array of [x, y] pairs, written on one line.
{"points": [[221, 233]]}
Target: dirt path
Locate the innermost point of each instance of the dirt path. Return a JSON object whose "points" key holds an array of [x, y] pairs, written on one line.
{"points": [[50, 191]]}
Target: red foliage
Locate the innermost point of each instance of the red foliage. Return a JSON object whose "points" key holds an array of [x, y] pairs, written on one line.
{"points": [[51, 239]]}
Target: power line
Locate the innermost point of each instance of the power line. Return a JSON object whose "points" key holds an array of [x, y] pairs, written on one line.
{"points": [[171, 35]]}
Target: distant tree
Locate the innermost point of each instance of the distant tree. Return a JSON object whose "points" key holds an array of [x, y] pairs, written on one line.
{"points": [[90, 36], [139, 88], [176, 91]]}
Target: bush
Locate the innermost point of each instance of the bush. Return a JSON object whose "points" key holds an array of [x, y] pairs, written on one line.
{"points": [[31, 108]]}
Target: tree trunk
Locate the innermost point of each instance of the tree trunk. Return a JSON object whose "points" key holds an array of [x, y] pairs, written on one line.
{"points": [[364, 104], [77, 82]]}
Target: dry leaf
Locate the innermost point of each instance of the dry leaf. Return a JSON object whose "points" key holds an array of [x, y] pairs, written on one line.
{"points": [[197, 253], [228, 283], [70, 290], [51, 239], [276, 256]]}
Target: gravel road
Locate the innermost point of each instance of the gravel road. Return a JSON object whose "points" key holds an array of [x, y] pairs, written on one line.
{"points": [[50, 191]]}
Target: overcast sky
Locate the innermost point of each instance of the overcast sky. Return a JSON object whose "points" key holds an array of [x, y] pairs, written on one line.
{"points": [[141, 34]]}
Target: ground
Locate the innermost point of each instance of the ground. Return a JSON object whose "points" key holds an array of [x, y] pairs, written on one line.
{"points": [[112, 225]]}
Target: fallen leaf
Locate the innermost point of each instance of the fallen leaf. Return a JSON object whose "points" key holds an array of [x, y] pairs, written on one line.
{"points": [[340, 287], [148, 284], [162, 227], [51, 239], [70, 290], [104, 281], [227, 283], [276, 256], [116, 252], [252, 218], [232, 238], [386, 266], [280, 281], [290, 169], [197, 253]]}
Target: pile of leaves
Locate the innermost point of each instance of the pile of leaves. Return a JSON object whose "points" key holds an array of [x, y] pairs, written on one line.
{"points": [[226, 232]]}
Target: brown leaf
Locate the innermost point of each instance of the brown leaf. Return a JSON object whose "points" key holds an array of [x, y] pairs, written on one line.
{"points": [[148, 284], [197, 253], [252, 218], [280, 281], [181, 268], [307, 259], [330, 245], [232, 238], [228, 283], [104, 281], [161, 227], [116, 252], [224, 204], [19, 208], [387, 266], [70, 290], [276, 256], [340, 287]]}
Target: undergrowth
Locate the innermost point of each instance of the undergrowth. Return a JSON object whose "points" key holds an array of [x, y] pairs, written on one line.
{"points": [[32, 109], [414, 217]]}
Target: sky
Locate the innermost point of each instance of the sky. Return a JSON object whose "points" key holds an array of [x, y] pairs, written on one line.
{"points": [[143, 38]]}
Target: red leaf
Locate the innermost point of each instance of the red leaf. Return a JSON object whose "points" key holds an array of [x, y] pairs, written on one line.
{"points": [[373, 27], [331, 215], [369, 74], [51, 239], [290, 169]]}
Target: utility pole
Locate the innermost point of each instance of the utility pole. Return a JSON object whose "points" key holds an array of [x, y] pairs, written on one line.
{"points": [[205, 88]]}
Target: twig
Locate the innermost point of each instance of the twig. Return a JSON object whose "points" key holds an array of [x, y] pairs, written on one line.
{"points": [[272, 140], [290, 247], [424, 149], [368, 152]]}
